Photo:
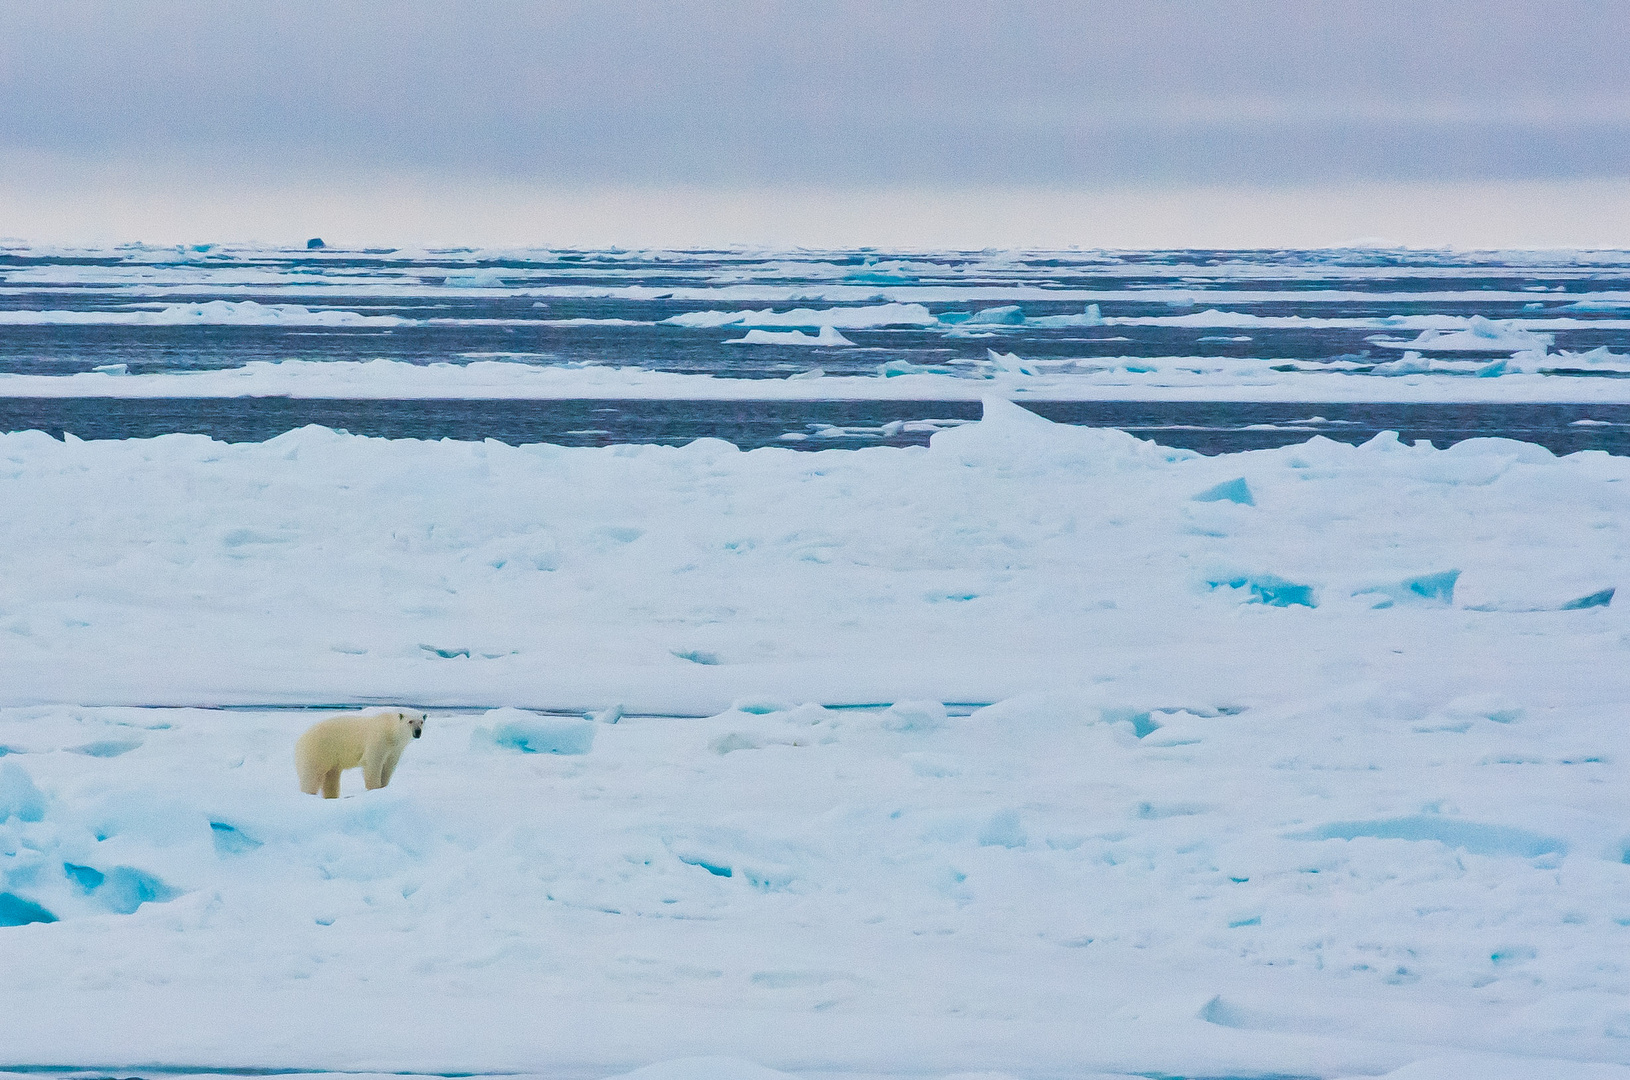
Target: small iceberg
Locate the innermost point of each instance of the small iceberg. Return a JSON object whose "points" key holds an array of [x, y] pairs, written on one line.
{"points": [[1436, 589], [532, 733], [1270, 589], [828, 336], [1009, 362], [1480, 335]]}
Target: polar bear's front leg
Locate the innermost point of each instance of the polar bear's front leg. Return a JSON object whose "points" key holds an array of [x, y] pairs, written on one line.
{"points": [[377, 773], [378, 764], [387, 768]]}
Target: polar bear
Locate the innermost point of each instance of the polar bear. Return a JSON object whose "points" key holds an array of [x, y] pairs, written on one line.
{"points": [[374, 741]]}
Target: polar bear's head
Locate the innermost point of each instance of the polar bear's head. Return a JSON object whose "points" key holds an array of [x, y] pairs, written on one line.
{"points": [[414, 719]]}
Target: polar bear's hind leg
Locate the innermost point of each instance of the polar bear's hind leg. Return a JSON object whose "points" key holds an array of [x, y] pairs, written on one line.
{"points": [[311, 781], [331, 783]]}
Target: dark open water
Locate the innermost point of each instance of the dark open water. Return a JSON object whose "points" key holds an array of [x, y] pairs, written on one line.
{"points": [[1211, 428]]}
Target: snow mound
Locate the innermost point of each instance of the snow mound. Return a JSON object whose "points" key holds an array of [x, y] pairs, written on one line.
{"points": [[1502, 1067], [60, 858], [1033, 444], [1480, 335], [532, 733], [1476, 838]]}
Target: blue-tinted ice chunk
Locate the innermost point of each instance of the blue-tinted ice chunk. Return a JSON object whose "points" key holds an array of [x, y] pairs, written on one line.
{"points": [[1010, 315], [1595, 599], [18, 796], [1438, 588], [314, 243], [15, 911], [1426, 589], [1141, 720], [1271, 590], [529, 733], [1234, 491], [1471, 836]]}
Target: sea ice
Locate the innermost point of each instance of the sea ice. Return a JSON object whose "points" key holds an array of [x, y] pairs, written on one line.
{"points": [[842, 318], [1090, 317], [487, 278], [1198, 827], [1438, 588], [827, 336], [530, 733], [1480, 335], [210, 313]]}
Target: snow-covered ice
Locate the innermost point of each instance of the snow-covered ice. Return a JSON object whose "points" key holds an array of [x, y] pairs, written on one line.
{"points": [[848, 318], [1479, 335], [1041, 751], [828, 336], [209, 313], [1522, 378]]}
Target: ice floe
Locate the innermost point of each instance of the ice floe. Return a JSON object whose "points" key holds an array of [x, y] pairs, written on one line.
{"points": [[845, 318], [210, 313]]}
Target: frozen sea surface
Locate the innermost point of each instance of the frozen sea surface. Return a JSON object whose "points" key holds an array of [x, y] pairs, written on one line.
{"points": [[1038, 751]]}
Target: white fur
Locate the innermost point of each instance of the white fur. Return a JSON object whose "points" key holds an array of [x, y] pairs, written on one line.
{"points": [[374, 741]]}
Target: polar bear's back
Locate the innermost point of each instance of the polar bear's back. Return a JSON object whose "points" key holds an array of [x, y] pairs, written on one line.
{"points": [[339, 740]]}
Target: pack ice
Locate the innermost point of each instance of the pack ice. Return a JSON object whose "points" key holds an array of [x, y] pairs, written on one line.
{"points": [[1039, 751]]}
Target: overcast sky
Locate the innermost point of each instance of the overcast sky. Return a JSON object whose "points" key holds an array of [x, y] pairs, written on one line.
{"points": [[142, 108]]}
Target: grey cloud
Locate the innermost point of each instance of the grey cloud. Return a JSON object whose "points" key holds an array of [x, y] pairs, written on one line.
{"points": [[832, 92]]}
